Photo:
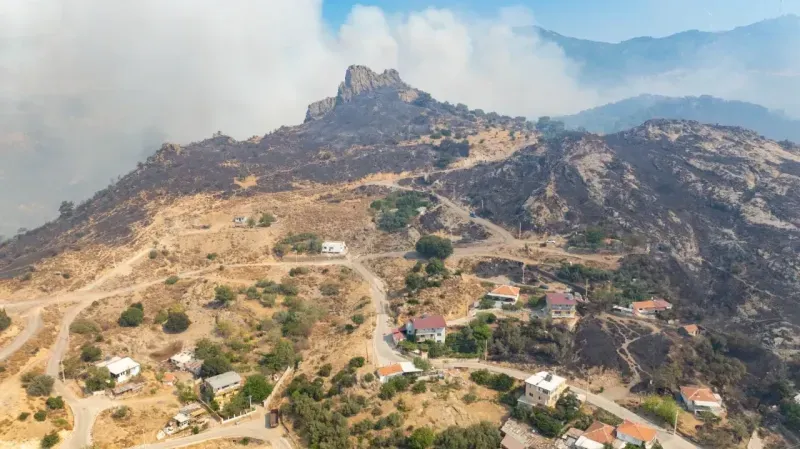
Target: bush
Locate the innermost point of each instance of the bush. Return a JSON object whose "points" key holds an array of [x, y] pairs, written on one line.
{"points": [[40, 416], [356, 362], [368, 378], [470, 398], [172, 280], [224, 294], [419, 387], [257, 388], [422, 364], [23, 416], [663, 407], [153, 254], [90, 353], [358, 319], [266, 220], [434, 246], [325, 370], [121, 412], [177, 322], [50, 440], [161, 317], [39, 385], [83, 326], [421, 438], [298, 271], [55, 403], [215, 365], [289, 289], [212, 256], [5, 320], [131, 317], [329, 289]]}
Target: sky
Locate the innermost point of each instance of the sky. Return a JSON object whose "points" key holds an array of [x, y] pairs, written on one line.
{"points": [[603, 20]]}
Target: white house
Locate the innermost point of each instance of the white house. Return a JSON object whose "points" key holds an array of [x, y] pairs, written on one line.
{"points": [[428, 328], [240, 220], [334, 248], [505, 293], [396, 369], [636, 434], [121, 369], [701, 399], [543, 388], [180, 359]]}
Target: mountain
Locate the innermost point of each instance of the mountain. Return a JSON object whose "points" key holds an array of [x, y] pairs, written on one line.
{"points": [[715, 210], [768, 46], [631, 112]]}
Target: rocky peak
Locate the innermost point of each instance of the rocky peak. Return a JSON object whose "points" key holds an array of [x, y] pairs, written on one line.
{"points": [[358, 79]]}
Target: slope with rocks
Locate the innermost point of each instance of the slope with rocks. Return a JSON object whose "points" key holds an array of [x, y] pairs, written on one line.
{"points": [[717, 206]]}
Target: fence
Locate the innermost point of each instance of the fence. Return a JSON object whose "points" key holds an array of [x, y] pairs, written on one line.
{"points": [[277, 387], [234, 418]]}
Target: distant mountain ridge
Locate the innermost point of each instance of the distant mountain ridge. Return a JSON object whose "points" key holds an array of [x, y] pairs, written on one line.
{"points": [[764, 46], [632, 112]]}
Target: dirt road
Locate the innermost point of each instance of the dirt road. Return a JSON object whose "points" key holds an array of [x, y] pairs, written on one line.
{"points": [[32, 327]]}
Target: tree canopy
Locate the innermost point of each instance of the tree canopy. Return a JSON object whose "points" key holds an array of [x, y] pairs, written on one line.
{"points": [[434, 246]]}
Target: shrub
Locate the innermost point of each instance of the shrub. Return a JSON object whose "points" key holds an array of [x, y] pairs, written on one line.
{"points": [[289, 289], [266, 220], [55, 403], [215, 365], [434, 246], [358, 319], [368, 378], [5, 320], [419, 387], [153, 254], [421, 438], [298, 271], [39, 385], [177, 322], [40, 416], [131, 317], [422, 364], [329, 289], [50, 440], [82, 326], [356, 362], [257, 388], [172, 280], [325, 370], [470, 398], [23, 416], [161, 317], [121, 412], [212, 256], [224, 294]]}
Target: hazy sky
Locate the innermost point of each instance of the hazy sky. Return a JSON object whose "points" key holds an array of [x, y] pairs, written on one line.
{"points": [[605, 20]]}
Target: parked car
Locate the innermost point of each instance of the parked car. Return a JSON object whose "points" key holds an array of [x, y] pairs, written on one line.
{"points": [[544, 287]]}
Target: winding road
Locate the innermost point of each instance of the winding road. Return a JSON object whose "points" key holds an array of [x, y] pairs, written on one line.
{"points": [[86, 410]]}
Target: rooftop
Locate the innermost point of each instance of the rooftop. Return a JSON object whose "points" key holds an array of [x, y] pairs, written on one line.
{"points": [[429, 322], [505, 290], [701, 394], [636, 430], [545, 380], [651, 304], [691, 328], [120, 366], [561, 299], [600, 432], [224, 380], [388, 370]]}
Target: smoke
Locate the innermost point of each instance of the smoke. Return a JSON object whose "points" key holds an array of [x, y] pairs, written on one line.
{"points": [[90, 87]]}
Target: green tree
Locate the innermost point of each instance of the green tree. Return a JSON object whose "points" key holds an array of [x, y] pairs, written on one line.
{"points": [[434, 246], [66, 208], [224, 294], [40, 415], [131, 317], [177, 322], [325, 370], [435, 267], [50, 440], [90, 353], [39, 385], [282, 356], [414, 282], [257, 387], [356, 362], [266, 220], [421, 438], [594, 236], [98, 378], [55, 403], [5, 320], [215, 365], [422, 364]]}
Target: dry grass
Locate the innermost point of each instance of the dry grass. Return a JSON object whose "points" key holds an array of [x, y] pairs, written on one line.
{"points": [[143, 422]]}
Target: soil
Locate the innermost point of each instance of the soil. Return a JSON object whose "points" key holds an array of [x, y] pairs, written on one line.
{"points": [[140, 426]]}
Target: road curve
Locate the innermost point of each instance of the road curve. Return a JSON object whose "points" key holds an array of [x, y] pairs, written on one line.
{"points": [[32, 327]]}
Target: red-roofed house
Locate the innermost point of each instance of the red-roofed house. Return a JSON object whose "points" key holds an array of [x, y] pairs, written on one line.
{"points": [[425, 328], [560, 305], [636, 434], [505, 293], [701, 399], [645, 308]]}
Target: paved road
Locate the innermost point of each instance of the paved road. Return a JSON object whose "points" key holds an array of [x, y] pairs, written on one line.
{"points": [[668, 440]]}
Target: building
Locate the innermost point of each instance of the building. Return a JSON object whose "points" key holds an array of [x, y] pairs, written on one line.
{"points": [[427, 328], [560, 305], [396, 369], [121, 369], [690, 330], [505, 293], [223, 385], [168, 379], [517, 435], [596, 436], [636, 434], [180, 359], [334, 248], [240, 220], [397, 336], [701, 399], [649, 308], [543, 388]]}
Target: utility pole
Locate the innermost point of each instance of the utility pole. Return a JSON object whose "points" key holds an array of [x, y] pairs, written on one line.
{"points": [[519, 235], [63, 377], [675, 428], [523, 272]]}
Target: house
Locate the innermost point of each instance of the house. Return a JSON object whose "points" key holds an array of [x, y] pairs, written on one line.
{"points": [[194, 367], [701, 399], [396, 369], [649, 308], [184, 418], [690, 330], [543, 388], [121, 369], [224, 385], [334, 248], [570, 437], [596, 436], [560, 305], [397, 336], [517, 435], [180, 359], [168, 379], [427, 328], [636, 434], [239, 220], [505, 293]]}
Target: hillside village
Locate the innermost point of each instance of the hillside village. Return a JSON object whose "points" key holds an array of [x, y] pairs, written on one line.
{"points": [[376, 312]]}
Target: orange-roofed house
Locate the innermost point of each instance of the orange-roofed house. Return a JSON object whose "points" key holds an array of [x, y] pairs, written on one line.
{"points": [[600, 432], [505, 293], [701, 399], [650, 307], [636, 434], [690, 330], [168, 379], [396, 369]]}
